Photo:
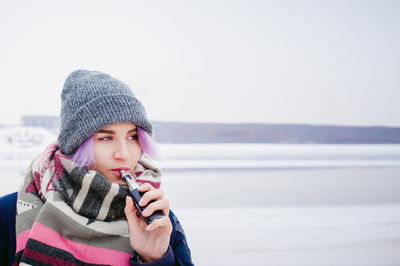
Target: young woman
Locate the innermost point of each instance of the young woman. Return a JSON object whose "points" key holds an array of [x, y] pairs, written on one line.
{"points": [[73, 208]]}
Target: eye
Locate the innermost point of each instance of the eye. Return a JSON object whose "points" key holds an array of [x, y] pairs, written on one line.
{"points": [[105, 138], [133, 137]]}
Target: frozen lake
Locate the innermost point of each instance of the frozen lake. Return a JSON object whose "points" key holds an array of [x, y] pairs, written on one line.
{"points": [[272, 204]]}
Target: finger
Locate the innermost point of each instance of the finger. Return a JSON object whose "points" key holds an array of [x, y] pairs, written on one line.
{"points": [[130, 211], [158, 223], [162, 204], [145, 187], [129, 207], [154, 194]]}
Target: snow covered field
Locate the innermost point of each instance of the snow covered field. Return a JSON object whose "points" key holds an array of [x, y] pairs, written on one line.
{"points": [[273, 204]]}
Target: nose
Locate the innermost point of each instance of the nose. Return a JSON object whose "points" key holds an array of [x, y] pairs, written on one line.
{"points": [[121, 151]]}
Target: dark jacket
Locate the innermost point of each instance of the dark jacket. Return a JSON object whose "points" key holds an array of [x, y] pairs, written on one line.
{"points": [[178, 252]]}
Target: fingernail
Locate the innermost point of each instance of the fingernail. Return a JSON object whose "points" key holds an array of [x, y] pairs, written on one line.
{"points": [[148, 228]]}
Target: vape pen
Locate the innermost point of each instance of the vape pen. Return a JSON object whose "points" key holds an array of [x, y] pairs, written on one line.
{"points": [[136, 196]]}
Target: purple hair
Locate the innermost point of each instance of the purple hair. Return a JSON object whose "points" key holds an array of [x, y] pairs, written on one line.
{"points": [[84, 155], [147, 143]]}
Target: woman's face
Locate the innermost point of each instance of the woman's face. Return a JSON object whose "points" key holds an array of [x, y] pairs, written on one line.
{"points": [[116, 147]]}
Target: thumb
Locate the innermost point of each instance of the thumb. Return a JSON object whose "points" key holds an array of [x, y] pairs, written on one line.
{"points": [[130, 211]]}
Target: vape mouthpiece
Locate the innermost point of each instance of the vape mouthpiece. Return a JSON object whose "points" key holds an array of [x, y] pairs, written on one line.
{"points": [[123, 172], [128, 178]]}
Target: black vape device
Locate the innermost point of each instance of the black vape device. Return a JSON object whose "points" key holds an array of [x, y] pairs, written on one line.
{"points": [[136, 196]]}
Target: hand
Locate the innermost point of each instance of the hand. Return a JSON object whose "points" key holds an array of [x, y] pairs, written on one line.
{"points": [[149, 241]]}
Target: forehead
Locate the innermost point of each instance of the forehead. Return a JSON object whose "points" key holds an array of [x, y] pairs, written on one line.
{"points": [[120, 127]]}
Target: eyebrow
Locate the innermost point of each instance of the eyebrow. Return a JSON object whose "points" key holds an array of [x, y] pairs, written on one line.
{"points": [[104, 131]]}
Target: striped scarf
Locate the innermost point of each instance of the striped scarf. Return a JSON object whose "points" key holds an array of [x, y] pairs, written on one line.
{"points": [[67, 215]]}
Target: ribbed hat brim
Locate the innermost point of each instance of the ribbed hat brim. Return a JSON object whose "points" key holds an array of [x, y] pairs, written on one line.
{"points": [[99, 113]]}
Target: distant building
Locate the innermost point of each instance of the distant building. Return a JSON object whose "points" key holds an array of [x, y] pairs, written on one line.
{"points": [[46, 121]]}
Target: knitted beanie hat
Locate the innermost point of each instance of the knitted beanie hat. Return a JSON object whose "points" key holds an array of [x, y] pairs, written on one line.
{"points": [[92, 100]]}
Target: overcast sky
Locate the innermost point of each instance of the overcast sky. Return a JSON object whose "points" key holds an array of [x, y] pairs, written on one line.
{"points": [[314, 62]]}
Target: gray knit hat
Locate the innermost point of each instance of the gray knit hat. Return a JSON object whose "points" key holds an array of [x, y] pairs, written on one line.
{"points": [[92, 100]]}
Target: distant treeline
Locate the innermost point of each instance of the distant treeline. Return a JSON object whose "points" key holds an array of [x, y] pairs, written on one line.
{"points": [[177, 132]]}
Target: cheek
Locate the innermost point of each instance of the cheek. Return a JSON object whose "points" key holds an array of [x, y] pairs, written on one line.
{"points": [[100, 155], [136, 152]]}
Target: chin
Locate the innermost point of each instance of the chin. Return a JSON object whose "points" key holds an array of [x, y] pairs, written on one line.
{"points": [[115, 180]]}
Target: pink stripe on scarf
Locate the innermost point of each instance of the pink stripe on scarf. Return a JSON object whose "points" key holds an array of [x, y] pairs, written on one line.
{"points": [[154, 184], [88, 254], [22, 238]]}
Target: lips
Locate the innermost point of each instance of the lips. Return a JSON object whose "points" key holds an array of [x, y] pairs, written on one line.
{"points": [[117, 172]]}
